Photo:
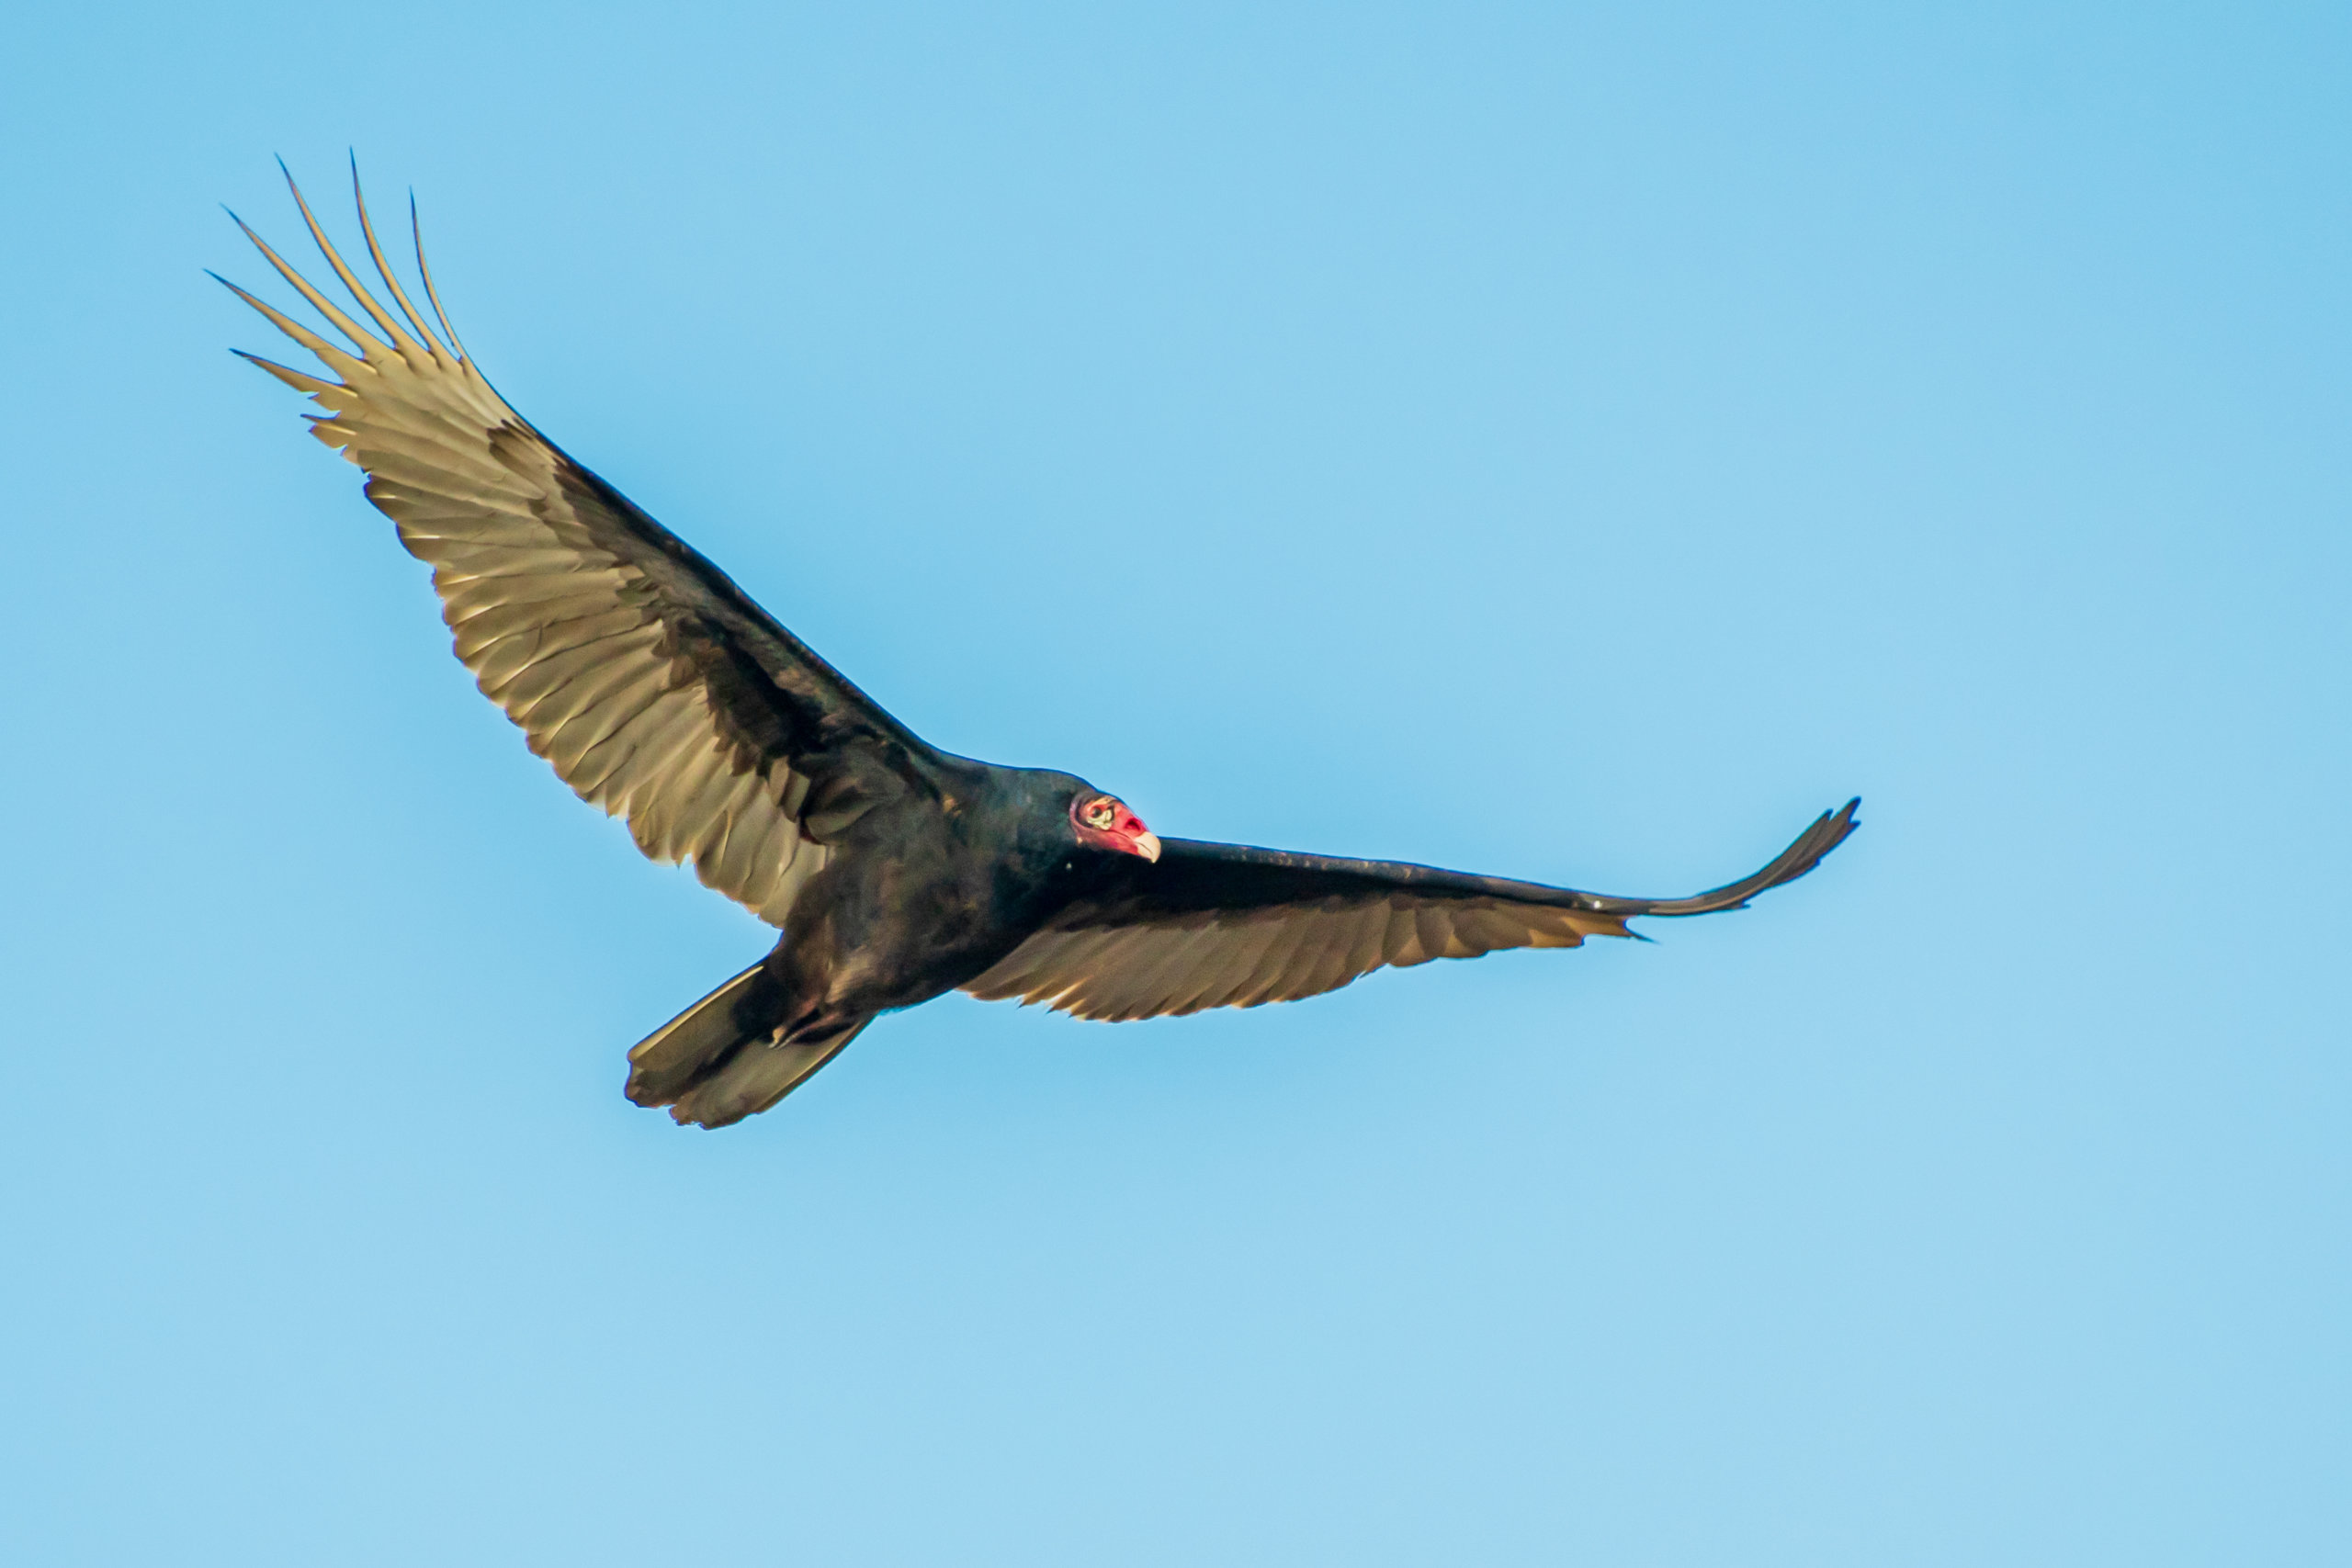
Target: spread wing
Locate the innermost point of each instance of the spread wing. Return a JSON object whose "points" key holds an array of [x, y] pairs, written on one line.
{"points": [[655, 687], [1225, 925]]}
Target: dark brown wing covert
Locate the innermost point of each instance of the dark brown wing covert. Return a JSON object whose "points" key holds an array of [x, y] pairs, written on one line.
{"points": [[1227, 925]]}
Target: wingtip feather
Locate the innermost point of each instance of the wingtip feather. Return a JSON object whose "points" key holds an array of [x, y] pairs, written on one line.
{"points": [[292, 377], [384, 270], [302, 286], [424, 270], [368, 304]]}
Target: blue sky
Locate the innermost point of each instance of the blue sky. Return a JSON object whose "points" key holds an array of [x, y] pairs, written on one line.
{"points": [[1572, 442]]}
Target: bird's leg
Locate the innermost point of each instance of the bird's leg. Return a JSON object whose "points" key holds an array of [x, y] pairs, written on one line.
{"points": [[818, 1024]]}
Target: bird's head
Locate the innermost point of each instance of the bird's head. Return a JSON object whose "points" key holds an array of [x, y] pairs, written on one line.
{"points": [[1104, 822]]}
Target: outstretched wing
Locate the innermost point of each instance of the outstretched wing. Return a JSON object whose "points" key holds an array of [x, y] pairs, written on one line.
{"points": [[655, 687], [1225, 925]]}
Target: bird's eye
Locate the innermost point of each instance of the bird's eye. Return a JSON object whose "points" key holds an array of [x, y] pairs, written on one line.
{"points": [[1100, 814]]}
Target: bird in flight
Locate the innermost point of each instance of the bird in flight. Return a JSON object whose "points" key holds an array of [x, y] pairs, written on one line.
{"points": [[894, 872]]}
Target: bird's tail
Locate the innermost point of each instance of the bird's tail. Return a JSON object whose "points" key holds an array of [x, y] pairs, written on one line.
{"points": [[726, 1057]]}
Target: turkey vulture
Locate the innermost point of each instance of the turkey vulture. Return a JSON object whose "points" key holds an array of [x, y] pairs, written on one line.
{"points": [[897, 872]]}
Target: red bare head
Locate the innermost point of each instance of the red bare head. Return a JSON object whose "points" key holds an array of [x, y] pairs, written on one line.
{"points": [[1104, 822]]}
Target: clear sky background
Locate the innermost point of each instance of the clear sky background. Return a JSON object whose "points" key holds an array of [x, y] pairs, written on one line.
{"points": [[1575, 442]]}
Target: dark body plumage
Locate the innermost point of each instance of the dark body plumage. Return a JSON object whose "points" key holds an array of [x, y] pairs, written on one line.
{"points": [[926, 891], [896, 872]]}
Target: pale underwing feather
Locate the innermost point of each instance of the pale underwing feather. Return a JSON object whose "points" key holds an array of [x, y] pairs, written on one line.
{"points": [[572, 616]]}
